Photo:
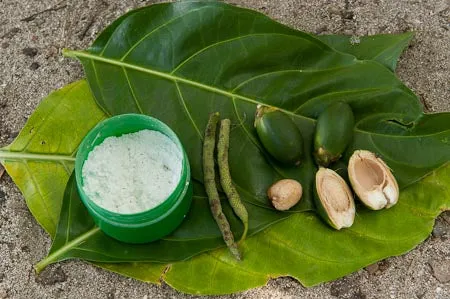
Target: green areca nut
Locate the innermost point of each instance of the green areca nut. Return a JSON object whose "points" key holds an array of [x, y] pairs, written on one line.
{"points": [[279, 135], [334, 131]]}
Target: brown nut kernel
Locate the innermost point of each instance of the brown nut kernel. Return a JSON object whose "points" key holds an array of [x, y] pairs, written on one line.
{"points": [[285, 194]]}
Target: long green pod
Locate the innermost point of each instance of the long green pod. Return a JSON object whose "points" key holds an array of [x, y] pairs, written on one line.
{"points": [[225, 176], [334, 131], [209, 176], [279, 135]]}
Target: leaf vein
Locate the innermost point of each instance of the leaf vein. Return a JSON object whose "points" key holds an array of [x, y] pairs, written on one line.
{"points": [[297, 251], [183, 103], [341, 92], [239, 37], [44, 121], [69, 217], [156, 30], [38, 188], [132, 91]]}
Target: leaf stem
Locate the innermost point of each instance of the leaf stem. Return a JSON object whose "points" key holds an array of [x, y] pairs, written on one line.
{"points": [[55, 256]]}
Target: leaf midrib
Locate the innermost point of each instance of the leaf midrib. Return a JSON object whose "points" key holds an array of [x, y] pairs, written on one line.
{"points": [[176, 79], [83, 54], [53, 257], [7, 155]]}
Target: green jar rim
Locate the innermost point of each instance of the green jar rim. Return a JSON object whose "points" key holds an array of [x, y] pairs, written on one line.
{"points": [[97, 135]]}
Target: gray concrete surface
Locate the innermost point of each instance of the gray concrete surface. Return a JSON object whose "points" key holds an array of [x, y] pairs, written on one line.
{"points": [[31, 66]]}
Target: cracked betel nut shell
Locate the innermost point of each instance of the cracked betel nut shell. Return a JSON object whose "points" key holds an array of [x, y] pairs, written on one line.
{"points": [[372, 180], [334, 199]]}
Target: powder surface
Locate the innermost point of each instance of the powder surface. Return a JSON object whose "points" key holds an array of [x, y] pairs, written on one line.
{"points": [[132, 173]]}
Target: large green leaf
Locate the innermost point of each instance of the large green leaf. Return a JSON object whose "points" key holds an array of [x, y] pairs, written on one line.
{"points": [[78, 237], [40, 162], [41, 158], [232, 66], [383, 48], [228, 276], [254, 272], [188, 102], [186, 63], [305, 248]]}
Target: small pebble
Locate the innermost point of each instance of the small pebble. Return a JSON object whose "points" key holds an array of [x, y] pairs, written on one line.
{"points": [[441, 229], [441, 270], [34, 66], [377, 268], [3, 294], [11, 33], [30, 52], [2, 196], [372, 269], [51, 276], [348, 15], [383, 265]]}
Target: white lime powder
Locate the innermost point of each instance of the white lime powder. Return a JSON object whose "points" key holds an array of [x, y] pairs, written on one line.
{"points": [[132, 173]]}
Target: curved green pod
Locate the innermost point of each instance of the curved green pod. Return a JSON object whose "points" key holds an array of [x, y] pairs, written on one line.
{"points": [[279, 135], [334, 131]]}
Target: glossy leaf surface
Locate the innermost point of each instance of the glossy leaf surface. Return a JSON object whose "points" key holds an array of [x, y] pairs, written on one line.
{"points": [[391, 123], [280, 240], [181, 75], [41, 158], [231, 67], [383, 48], [78, 237], [309, 250]]}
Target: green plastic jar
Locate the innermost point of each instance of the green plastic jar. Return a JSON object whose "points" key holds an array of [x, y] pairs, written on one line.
{"points": [[148, 225]]}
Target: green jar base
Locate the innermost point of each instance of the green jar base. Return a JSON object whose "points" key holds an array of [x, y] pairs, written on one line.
{"points": [[145, 226]]}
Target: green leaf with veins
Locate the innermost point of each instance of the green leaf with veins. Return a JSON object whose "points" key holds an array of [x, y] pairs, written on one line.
{"points": [[42, 157], [383, 48], [296, 239], [305, 248], [231, 67], [238, 64], [78, 237]]}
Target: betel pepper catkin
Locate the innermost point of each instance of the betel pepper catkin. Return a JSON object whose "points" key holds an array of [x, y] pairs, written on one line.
{"points": [[209, 175], [225, 176]]}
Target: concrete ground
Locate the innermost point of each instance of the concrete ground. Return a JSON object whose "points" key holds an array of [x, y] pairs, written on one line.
{"points": [[31, 66]]}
